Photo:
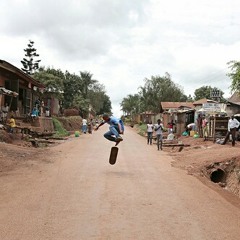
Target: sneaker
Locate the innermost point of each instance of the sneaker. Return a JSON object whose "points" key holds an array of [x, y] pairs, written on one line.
{"points": [[118, 140]]}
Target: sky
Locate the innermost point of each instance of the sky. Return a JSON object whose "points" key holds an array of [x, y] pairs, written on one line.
{"points": [[123, 42]]}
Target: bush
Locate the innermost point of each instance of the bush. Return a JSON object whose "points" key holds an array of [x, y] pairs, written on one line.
{"points": [[142, 128], [60, 130]]}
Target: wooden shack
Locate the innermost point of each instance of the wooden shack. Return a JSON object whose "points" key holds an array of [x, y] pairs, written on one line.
{"points": [[218, 127]]}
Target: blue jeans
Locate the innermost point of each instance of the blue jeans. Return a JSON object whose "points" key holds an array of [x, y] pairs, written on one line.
{"points": [[84, 128], [113, 130], [149, 137], [159, 141]]}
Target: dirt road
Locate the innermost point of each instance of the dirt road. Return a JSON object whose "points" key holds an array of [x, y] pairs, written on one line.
{"points": [[72, 193]]}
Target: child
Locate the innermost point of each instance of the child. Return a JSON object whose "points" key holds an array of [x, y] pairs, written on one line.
{"points": [[12, 124], [149, 132]]}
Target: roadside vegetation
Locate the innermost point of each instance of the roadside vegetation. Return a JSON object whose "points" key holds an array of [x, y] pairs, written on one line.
{"points": [[59, 129]]}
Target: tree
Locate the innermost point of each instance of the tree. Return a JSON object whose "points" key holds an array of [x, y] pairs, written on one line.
{"points": [[205, 92], [52, 79], [75, 91], [234, 75], [106, 106], [87, 82], [72, 86], [160, 89], [131, 104], [82, 104], [29, 64], [98, 99]]}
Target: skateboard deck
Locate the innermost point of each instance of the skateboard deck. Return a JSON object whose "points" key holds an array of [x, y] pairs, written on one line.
{"points": [[113, 155]]}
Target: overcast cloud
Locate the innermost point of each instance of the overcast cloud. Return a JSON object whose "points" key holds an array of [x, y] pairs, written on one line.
{"points": [[121, 42]]}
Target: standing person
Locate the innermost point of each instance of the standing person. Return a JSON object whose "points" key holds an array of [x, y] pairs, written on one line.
{"points": [[84, 125], [37, 104], [34, 113], [41, 108], [149, 132], [199, 125], [90, 125], [47, 112], [170, 126], [159, 128], [205, 127], [116, 128], [233, 124], [12, 124], [5, 111]]}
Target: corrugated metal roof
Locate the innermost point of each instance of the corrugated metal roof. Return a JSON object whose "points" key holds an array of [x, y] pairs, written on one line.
{"points": [[235, 98], [203, 100], [169, 105]]}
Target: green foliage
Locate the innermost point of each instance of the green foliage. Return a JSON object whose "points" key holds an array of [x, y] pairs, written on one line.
{"points": [[106, 105], [99, 100], [87, 82], [79, 102], [131, 104], [29, 65], [142, 128], [160, 89], [234, 75], [80, 92], [127, 120], [155, 90], [60, 131], [52, 79], [72, 88]]}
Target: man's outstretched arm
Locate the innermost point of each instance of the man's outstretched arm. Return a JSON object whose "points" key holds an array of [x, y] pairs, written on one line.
{"points": [[99, 126]]}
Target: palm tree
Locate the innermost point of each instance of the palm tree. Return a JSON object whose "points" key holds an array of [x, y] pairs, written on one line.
{"points": [[87, 82]]}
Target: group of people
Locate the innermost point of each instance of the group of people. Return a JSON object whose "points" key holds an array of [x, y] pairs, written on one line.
{"points": [[158, 128], [39, 108], [203, 128]]}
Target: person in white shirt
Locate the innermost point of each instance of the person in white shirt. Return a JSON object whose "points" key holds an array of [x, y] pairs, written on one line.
{"points": [[149, 132], [84, 125], [159, 128], [233, 124], [205, 127]]}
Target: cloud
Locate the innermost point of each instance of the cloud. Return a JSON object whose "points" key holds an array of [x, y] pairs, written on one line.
{"points": [[122, 42]]}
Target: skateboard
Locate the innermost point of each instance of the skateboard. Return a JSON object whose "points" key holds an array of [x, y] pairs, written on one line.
{"points": [[113, 155]]}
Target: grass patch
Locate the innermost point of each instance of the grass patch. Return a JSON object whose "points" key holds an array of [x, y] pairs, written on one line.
{"points": [[142, 128], [59, 129]]}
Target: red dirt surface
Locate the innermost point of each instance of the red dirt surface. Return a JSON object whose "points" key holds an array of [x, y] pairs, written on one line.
{"points": [[196, 158]]}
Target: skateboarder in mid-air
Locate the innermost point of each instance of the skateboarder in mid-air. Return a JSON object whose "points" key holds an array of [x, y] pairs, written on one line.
{"points": [[116, 128]]}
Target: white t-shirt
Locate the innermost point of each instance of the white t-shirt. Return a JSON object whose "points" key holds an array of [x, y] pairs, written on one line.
{"points": [[233, 123], [149, 127], [84, 122], [158, 128]]}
